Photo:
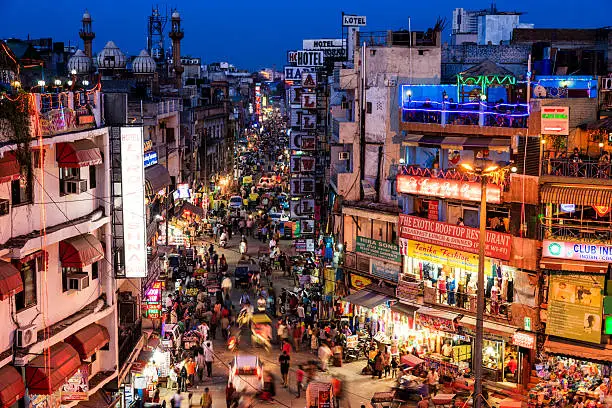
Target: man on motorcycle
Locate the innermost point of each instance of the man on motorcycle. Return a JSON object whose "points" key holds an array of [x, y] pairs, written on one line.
{"points": [[223, 239]]}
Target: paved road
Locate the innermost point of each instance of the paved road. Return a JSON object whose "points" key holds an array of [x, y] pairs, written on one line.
{"points": [[359, 388]]}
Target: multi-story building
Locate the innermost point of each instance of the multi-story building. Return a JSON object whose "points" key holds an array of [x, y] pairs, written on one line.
{"points": [[484, 27]]}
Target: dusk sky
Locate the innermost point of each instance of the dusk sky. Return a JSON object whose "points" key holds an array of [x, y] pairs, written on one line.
{"points": [[257, 34]]}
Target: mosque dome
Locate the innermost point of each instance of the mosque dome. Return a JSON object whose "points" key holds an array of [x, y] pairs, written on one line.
{"points": [[111, 57], [176, 14], [86, 16], [143, 63], [80, 63]]}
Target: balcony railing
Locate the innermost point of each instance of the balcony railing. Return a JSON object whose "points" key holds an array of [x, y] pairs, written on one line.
{"points": [[582, 230], [452, 174], [568, 167], [471, 114], [169, 106], [464, 301]]}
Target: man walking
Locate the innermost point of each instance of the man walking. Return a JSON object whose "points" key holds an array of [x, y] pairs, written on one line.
{"points": [[299, 378], [208, 357], [284, 367], [229, 394], [200, 363], [206, 399]]}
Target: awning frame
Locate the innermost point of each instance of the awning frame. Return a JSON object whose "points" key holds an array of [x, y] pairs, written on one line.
{"points": [[80, 153], [573, 194], [93, 334], [10, 280], [80, 251]]}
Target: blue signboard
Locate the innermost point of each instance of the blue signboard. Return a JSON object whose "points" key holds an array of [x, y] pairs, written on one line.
{"points": [[150, 158]]}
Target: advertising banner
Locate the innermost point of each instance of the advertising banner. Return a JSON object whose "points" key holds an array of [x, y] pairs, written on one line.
{"points": [[446, 256], [309, 100], [577, 251], [497, 244], [407, 291], [359, 282], [447, 188], [378, 249], [77, 386], [295, 73], [554, 120], [575, 306], [384, 270]]}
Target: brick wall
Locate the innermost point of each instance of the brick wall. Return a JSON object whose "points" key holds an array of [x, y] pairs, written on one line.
{"points": [[458, 58]]}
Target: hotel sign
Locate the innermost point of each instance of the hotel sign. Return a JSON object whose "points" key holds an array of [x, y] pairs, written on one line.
{"points": [[577, 251], [554, 120], [447, 188], [497, 244]]}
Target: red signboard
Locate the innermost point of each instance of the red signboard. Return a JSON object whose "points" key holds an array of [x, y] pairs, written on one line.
{"points": [[454, 236], [447, 188], [526, 340], [432, 210]]}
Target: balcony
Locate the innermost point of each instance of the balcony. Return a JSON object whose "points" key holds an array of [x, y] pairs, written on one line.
{"points": [[572, 229], [498, 310], [578, 168], [169, 106], [65, 112]]}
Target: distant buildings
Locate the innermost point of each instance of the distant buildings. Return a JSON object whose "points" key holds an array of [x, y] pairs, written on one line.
{"points": [[482, 27]]}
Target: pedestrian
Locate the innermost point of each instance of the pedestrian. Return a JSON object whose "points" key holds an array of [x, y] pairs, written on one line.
{"points": [[190, 365], [215, 259], [432, 381], [213, 325], [378, 365], [229, 394], [324, 354], [284, 367], [208, 357], [176, 399], [424, 402], [224, 325], [206, 399], [314, 342], [203, 329], [299, 379], [286, 347], [394, 365], [297, 336], [386, 363], [183, 379], [200, 364]]}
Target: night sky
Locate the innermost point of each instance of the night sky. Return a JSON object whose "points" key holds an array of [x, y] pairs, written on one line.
{"points": [[256, 34]]}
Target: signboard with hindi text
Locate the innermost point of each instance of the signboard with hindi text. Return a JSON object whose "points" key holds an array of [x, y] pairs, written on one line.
{"points": [[387, 251], [446, 188], [575, 306]]}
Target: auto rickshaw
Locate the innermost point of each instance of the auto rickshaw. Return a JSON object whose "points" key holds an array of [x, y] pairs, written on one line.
{"points": [[261, 330]]}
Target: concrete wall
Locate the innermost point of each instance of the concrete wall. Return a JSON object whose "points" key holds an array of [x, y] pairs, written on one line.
{"points": [[495, 28], [458, 58]]}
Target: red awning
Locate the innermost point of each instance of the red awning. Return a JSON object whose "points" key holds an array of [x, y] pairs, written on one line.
{"points": [[45, 376], [88, 340], [10, 280], [81, 153], [80, 251], [12, 388], [9, 167]]}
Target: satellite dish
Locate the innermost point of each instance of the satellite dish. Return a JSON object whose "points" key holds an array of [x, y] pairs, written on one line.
{"points": [[539, 91]]}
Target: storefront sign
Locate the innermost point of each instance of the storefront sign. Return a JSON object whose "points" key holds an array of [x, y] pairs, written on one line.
{"points": [[432, 210], [526, 340], [577, 251], [44, 401], [77, 386], [324, 399], [384, 270], [352, 341], [304, 245], [407, 291], [555, 120], [459, 237], [133, 203], [150, 158], [447, 188], [306, 58], [152, 302], [295, 73], [445, 256], [575, 306], [353, 21], [377, 249], [359, 282], [435, 323]]}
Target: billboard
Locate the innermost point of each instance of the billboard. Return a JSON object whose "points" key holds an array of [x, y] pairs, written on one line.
{"points": [[302, 141], [133, 202], [307, 58], [308, 100], [554, 120], [447, 188], [459, 237], [575, 306], [332, 48], [353, 21], [308, 122], [295, 73], [578, 251]]}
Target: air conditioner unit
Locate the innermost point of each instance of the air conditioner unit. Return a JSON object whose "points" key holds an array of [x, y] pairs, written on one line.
{"points": [[606, 84], [391, 82], [75, 186], [344, 155], [4, 207], [25, 336], [78, 281]]}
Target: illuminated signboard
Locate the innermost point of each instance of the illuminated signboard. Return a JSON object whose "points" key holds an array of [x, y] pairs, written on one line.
{"points": [[150, 158], [554, 120], [133, 202], [295, 73], [526, 340], [446, 188], [152, 301], [577, 251]]}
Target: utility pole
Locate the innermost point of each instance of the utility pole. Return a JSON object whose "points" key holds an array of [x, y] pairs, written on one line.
{"points": [[480, 295], [362, 119]]}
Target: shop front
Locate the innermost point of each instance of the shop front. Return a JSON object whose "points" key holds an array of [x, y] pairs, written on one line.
{"points": [[367, 311]]}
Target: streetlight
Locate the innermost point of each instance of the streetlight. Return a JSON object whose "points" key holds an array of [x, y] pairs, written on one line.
{"points": [[486, 169]]}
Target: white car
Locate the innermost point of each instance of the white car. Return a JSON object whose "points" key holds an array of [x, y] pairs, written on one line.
{"points": [[246, 374], [235, 202]]}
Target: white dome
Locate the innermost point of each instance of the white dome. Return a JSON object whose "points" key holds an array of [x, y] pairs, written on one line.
{"points": [[111, 57], [80, 63], [176, 14], [143, 63], [86, 15]]}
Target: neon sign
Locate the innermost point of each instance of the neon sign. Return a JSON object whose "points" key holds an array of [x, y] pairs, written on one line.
{"points": [[445, 188]]}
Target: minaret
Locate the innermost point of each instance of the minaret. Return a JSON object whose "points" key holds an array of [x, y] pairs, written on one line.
{"points": [[177, 34], [86, 34]]}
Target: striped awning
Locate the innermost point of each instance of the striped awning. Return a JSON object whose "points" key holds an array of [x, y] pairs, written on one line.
{"points": [[579, 195], [366, 298]]}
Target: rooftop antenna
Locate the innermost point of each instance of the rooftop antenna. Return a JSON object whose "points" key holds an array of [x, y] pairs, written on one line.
{"points": [[155, 34]]}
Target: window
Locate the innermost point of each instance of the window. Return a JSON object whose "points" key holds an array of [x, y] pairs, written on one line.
{"points": [[94, 270], [67, 174], [65, 273], [368, 107], [21, 192], [27, 298], [92, 176]]}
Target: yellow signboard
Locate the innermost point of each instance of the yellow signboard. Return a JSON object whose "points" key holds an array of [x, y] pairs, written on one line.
{"points": [[575, 306], [247, 180], [446, 256], [359, 282]]}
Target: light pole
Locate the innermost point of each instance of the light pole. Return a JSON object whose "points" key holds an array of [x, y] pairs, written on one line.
{"points": [[483, 171]]}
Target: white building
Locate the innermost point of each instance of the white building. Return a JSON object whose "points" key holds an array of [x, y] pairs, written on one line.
{"points": [[483, 27]]}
